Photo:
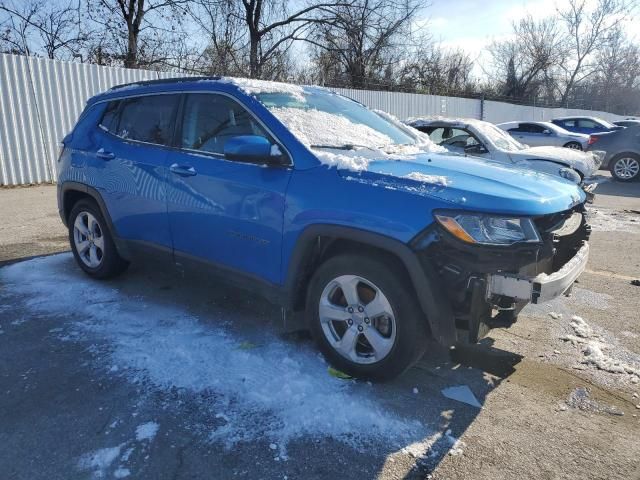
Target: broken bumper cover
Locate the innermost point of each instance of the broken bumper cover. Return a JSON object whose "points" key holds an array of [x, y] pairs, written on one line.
{"points": [[590, 191], [542, 288]]}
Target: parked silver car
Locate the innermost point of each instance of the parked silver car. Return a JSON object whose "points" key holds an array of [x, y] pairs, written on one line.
{"points": [[543, 134], [484, 139]]}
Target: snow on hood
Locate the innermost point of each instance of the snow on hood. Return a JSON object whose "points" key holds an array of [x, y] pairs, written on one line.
{"points": [[574, 158]]}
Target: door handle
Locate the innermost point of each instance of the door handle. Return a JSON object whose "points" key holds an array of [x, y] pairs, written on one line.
{"points": [[105, 155], [183, 170]]}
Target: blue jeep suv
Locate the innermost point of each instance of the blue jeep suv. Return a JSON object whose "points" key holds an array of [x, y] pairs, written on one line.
{"points": [[363, 230]]}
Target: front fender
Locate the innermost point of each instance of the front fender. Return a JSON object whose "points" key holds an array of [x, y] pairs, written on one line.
{"points": [[424, 278]]}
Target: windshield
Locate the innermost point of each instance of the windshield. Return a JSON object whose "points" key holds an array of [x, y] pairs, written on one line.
{"points": [[605, 123], [500, 139], [322, 119]]}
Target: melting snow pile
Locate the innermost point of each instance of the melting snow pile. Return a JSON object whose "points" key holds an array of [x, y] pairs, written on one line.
{"points": [[276, 393], [593, 348]]}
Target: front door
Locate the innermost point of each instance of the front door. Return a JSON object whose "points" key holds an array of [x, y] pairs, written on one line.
{"points": [[229, 213]]}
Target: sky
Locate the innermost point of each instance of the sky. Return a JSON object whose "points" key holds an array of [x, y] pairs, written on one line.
{"points": [[471, 25]]}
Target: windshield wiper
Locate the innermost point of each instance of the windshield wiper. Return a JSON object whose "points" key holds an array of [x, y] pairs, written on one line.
{"points": [[346, 146]]}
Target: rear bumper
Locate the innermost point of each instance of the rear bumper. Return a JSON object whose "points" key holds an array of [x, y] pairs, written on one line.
{"points": [[543, 287]]}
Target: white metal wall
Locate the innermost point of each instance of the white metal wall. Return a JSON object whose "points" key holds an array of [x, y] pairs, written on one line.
{"points": [[41, 99]]}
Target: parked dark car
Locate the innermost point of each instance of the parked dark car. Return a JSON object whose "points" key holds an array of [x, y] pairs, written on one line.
{"points": [[587, 125], [623, 152], [627, 123]]}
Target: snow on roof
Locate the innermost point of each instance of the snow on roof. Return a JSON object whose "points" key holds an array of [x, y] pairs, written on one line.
{"points": [[255, 87]]}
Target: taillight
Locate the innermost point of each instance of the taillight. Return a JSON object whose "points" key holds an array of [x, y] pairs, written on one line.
{"points": [[593, 139]]}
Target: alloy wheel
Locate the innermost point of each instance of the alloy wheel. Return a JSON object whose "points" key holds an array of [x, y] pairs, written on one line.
{"points": [[627, 168], [357, 319], [88, 239]]}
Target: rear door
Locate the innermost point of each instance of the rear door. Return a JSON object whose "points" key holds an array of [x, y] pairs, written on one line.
{"points": [[130, 166], [228, 213]]}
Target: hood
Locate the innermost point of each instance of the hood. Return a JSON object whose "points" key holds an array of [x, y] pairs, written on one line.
{"points": [[473, 183], [584, 162]]}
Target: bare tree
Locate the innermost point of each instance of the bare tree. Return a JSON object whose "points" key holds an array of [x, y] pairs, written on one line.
{"points": [[434, 69], [37, 26], [368, 38], [131, 19], [586, 30], [522, 66]]}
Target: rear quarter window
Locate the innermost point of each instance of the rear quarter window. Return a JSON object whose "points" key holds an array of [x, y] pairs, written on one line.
{"points": [[148, 119]]}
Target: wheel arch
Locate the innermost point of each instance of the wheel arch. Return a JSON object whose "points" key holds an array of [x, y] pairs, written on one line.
{"points": [[70, 193], [320, 242]]}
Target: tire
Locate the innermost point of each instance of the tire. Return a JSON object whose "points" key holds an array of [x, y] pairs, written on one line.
{"points": [[401, 337], [88, 228], [573, 145], [625, 167]]}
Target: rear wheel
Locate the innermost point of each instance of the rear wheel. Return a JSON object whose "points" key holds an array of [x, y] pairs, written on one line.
{"points": [[625, 167], [573, 146], [92, 243], [365, 318]]}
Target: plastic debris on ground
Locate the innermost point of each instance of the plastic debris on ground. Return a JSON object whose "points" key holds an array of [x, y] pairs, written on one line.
{"points": [[461, 393]]}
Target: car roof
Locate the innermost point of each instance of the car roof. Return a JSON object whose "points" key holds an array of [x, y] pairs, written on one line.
{"points": [[439, 122], [243, 86], [578, 117]]}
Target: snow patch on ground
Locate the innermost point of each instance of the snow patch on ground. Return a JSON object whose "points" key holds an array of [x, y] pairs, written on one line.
{"points": [[594, 349], [276, 393], [99, 461], [588, 298], [147, 431], [606, 220]]}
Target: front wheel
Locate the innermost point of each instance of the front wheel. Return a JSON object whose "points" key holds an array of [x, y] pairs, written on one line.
{"points": [[626, 167], [365, 318], [573, 146]]}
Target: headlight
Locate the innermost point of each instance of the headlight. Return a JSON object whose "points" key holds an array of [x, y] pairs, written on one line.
{"points": [[488, 229], [569, 174]]}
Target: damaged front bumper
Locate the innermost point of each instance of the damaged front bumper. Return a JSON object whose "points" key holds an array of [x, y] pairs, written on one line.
{"points": [[487, 286], [541, 288]]}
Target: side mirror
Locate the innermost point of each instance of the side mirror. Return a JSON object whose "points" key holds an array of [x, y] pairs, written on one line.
{"points": [[477, 149], [253, 149], [546, 132]]}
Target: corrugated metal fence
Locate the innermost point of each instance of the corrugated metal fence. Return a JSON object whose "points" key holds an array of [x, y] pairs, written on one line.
{"points": [[41, 99]]}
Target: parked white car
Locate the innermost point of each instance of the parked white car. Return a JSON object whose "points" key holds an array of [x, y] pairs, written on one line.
{"points": [[483, 139], [545, 134]]}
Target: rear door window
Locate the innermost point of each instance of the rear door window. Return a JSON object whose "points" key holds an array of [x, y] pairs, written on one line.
{"points": [[210, 120], [532, 128], [109, 120], [147, 119], [586, 123]]}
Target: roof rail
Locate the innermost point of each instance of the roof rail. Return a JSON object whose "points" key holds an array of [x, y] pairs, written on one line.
{"points": [[160, 81]]}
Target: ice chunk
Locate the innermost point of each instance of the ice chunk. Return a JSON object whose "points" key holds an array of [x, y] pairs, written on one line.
{"points": [[147, 431]]}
